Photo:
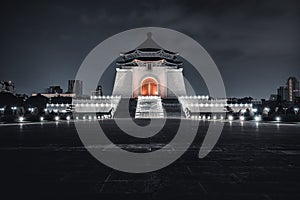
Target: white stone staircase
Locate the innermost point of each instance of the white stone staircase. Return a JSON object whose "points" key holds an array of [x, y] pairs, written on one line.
{"points": [[149, 107]]}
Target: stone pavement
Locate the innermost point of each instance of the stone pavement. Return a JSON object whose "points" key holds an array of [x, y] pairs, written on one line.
{"points": [[250, 161]]}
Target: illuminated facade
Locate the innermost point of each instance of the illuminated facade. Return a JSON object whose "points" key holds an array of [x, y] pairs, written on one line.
{"points": [[149, 70]]}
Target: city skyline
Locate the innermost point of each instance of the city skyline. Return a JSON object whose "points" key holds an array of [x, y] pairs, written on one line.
{"points": [[279, 91]]}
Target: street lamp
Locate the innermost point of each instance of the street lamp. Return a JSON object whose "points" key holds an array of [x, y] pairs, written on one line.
{"points": [[242, 118], [285, 110], [21, 119], [296, 110], [266, 110], [230, 117], [257, 118]]}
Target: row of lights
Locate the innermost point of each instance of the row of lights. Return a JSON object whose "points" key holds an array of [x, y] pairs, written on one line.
{"points": [[217, 105], [55, 110], [96, 101], [95, 105], [204, 117], [56, 118], [92, 104], [194, 97], [230, 118], [89, 117], [57, 105], [21, 119], [105, 97], [257, 118], [266, 109]]}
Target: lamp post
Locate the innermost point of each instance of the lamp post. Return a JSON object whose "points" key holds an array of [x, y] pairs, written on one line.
{"points": [[266, 110], [285, 110], [296, 110]]}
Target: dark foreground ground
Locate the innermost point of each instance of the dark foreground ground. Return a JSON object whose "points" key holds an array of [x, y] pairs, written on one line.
{"points": [[250, 161]]}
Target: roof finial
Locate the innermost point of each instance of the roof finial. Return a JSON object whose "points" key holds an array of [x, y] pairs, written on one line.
{"points": [[149, 35], [149, 43]]}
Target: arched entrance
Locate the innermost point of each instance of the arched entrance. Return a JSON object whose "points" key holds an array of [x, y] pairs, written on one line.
{"points": [[149, 87]]}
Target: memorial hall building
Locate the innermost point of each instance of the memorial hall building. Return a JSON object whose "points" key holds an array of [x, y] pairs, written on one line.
{"points": [[149, 83]]}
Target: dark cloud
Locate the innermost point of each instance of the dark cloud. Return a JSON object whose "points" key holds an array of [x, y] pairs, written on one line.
{"points": [[254, 43]]}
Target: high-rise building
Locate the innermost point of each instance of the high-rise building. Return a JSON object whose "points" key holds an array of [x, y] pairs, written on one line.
{"points": [[293, 88], [75, 86], [282, 93]]}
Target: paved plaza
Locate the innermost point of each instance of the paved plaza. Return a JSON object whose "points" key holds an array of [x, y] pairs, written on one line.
{"points": [[250, 161]]}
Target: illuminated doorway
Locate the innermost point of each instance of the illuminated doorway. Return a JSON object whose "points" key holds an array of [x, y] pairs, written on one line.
{"points": [[149, 87]]}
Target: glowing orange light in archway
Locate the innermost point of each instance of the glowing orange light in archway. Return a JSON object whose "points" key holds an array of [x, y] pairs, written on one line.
{"points": [[149, 87]]}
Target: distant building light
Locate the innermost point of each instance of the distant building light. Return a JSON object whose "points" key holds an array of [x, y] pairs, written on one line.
{"points": [[254, 110]]}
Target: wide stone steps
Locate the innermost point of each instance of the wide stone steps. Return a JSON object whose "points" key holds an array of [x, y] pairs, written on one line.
{"points": [[149, 107]]}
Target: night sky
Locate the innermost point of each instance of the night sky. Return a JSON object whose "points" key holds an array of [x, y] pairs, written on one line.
{"points": [[255, 44]]}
